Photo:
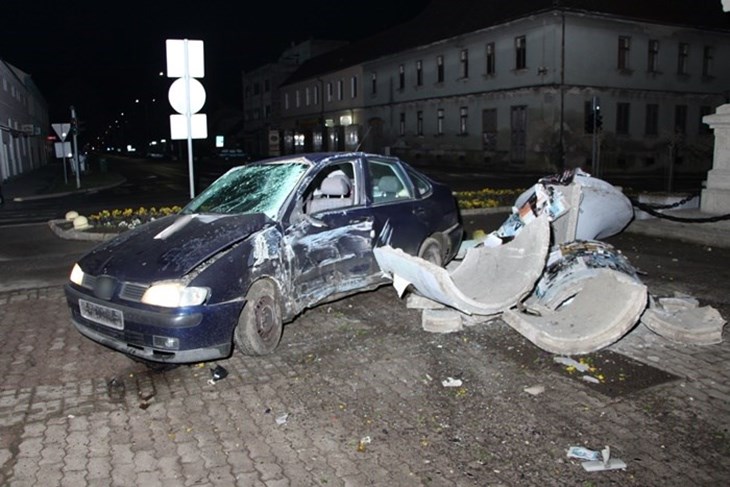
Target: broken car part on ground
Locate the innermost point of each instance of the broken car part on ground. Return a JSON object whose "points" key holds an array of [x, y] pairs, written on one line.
{"points": [[544, 271]]}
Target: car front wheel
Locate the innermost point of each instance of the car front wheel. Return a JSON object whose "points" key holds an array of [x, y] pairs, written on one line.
{"points": [[431, 251], [260, 324]]}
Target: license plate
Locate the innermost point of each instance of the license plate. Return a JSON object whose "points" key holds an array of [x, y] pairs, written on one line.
{"points": [[103, 315]]}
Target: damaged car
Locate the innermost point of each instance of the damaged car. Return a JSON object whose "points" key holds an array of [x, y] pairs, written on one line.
{"points": [[263, 243]]}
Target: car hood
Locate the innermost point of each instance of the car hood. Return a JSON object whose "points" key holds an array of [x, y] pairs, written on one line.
{"points": [[170, 247]]}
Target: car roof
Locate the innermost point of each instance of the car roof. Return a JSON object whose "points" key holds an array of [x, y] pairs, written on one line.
{"points": [[321, 158]]}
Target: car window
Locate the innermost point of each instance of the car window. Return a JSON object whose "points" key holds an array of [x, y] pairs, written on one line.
{"points": [[334, 187], [388, 181], [256, 188], [423, 187]]}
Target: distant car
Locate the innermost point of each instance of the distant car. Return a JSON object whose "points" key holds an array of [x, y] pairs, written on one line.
{"points": [[261, 244]]}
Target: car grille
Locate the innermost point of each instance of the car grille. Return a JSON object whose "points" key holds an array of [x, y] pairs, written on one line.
{"points": [[129, 290], [132, 292]]}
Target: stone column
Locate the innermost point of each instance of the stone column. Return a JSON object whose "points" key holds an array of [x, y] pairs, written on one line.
{"points": [[716, 195]]}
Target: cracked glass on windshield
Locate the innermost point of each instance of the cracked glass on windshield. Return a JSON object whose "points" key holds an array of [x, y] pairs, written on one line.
{"points": [[254, 188]]}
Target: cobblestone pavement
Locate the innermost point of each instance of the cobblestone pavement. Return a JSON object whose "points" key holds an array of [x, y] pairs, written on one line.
{"points": [[353, 396]]}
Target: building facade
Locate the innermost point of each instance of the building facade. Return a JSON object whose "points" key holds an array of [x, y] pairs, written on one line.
{"points": [[23, 123], [523, 92], [262, 100]]}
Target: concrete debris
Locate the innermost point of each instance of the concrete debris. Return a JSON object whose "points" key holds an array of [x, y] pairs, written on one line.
{"points": [[575, 298], [605, 463], [591, 379], [535, 390], [282, 419], [581, 207], [512, 271], [451, 382], [682, 320], [577, 325], [416, 301], [443, 320]]}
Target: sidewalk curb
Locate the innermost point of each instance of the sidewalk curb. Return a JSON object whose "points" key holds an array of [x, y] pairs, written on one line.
{"points": [[20, 199], [73, 234]]}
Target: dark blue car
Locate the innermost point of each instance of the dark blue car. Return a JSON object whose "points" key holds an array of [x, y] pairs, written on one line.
{"points": [[261, 244]]}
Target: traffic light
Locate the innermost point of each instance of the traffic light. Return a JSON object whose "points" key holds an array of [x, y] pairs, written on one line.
{"points": [[599, 119]]}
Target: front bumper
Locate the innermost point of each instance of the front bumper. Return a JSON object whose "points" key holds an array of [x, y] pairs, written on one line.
{"points": [[202, 334]]}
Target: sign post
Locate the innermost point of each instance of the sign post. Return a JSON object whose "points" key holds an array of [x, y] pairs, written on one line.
{"points": [[74, 124], [61, 130], [187, 95]]}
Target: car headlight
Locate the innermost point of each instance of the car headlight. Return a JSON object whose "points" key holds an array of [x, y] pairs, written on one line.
{"points": [[77, 275], [175, 295]]}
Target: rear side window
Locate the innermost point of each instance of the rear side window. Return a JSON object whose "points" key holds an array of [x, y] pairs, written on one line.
{"points": [[423, 187], [388, 182]]}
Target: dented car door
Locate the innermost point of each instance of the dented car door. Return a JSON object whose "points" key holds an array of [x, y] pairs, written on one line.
{"points": [[332, 255]]}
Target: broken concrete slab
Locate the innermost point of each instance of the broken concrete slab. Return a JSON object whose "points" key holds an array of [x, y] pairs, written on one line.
{"points": [[580, 325], [441, 320], [582, 207], [693, 325], [416, 301], [488, 280]]}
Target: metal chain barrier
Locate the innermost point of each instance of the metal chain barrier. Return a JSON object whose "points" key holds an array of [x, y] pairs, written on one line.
{"points": [[652, 210]]}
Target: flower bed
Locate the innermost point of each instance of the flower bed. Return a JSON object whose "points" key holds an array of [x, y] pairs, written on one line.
{"points": [[126, 219], [487, 198], [119, 220]]}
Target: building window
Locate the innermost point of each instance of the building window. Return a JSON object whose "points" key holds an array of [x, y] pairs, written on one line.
{"points": [[680, 119], [374, 83], [340, 89], [651, 126], [316, 95], [298, 99], [682, 58], [329, 91], [401, 77], [267, 111], [624, 49], [402, 124], [307, 97], [464, 63], [419, 122], [256, 88], [491, 59], [704, 128], [489, 129], [419, 73], [622, 118], [652, 64], [518, 133], [520, 53], [707, 56], [286, 101], [440, 121], [353, 86], [439, 69], [463, 119]]}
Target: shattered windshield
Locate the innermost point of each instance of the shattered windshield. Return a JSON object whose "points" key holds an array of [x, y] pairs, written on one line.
{"points": [[254, 188]]}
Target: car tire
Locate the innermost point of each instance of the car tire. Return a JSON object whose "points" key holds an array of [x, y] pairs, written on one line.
{"points": [[260, 324], [431, 251]]}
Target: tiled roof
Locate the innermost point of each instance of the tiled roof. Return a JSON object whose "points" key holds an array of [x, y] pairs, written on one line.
{"points": [[444, 19]]}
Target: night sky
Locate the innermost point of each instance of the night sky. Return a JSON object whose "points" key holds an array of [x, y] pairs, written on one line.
{"points": [[102, 55]]}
